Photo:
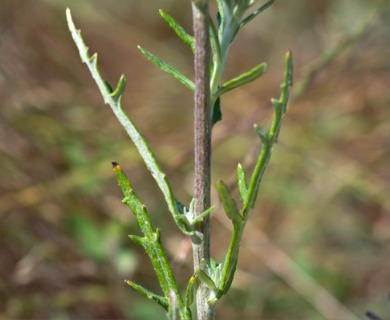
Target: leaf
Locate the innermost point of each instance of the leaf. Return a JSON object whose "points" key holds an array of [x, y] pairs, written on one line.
{"points": [[168, 68], [242, 79], [162, 301], [269, 138], [229, 204], [179, 30], [215, 45], [230, 277], [114, 100], [206, 280], [190, 292], [120, 89], [289, 69], [256, 12], [108, 86], [202, 215], [216, 112], [242, 182]]}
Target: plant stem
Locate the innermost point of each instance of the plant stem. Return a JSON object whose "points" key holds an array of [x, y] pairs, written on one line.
{"points": [[202, 141]]}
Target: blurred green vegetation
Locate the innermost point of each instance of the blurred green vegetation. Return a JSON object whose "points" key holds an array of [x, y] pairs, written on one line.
{"points": [[319, 239]]}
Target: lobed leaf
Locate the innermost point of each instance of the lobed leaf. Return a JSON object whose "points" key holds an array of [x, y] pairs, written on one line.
{"points": [[269, 138], [113, 99]]}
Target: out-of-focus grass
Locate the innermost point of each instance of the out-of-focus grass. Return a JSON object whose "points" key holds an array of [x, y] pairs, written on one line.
{"points": [[323, 209]]}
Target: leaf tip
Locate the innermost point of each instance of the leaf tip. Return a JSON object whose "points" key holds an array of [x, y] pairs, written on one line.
{"points": [[289, 67], [69, 19], [116, 167]]}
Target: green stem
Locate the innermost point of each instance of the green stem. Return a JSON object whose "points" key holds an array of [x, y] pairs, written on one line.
{"points": [[151, 242]]}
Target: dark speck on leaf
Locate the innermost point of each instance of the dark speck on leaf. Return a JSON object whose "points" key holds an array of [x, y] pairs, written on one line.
{"points": [[114, 164]]}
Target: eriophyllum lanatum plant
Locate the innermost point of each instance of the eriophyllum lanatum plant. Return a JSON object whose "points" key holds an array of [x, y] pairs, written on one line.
{"points": [[209, 43]]}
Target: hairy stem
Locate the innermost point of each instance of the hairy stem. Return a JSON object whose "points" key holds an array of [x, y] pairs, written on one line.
{"points": [[202, 140]]}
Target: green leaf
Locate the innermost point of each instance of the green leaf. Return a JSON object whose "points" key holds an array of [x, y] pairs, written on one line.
{"points": [[269, 138], [108, 86], [162, 301], [229, 204], [114, 100], [190, 291], [289, 70], [206, 280], [202, 215], [242, 79], [215, 45], [168, 68], [179, 30], [242, 182], [230, 276], [216, 112], [120, 89], [256, 12]]}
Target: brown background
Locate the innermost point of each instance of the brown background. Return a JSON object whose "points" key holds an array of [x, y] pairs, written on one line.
{"points": [[318, 243]]}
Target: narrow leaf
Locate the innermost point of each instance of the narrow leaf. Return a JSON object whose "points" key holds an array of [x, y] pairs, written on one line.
{"points": [[162, 301], [242, 182], [256, 12], [206, 280], [229, 204], [179, 30], [230, 277], [215, 45], [168, 68], [242, 79], [202, 215], [289, 69], [120, 89], [190, 291]]}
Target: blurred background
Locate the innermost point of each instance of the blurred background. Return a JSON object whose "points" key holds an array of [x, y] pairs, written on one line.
{"points": [[317, 246]]}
